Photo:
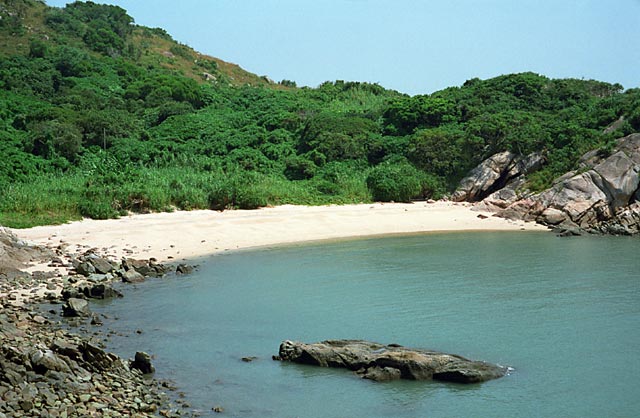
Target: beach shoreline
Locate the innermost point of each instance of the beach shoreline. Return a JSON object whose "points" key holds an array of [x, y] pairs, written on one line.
{"points": [[188, 235]]}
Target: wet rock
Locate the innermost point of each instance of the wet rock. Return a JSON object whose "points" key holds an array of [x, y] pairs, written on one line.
{"points": [[142, 362], [75, 307], [372, 359], [101, 291], [380, 374], [184, 269], [146, 268], [132, 276]]}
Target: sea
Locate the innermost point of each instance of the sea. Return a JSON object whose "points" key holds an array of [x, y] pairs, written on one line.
{"points": [[564, 313]]}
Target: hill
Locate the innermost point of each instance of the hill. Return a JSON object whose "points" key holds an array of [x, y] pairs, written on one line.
{"points": [[99, 116]]}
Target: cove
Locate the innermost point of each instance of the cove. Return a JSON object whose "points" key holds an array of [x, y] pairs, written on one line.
{"points": [[563, 312]]}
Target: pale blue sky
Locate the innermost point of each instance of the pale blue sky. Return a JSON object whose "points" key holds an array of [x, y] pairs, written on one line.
{"points": [[412, 46]]}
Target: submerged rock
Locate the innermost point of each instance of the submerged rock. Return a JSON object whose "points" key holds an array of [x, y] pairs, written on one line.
{"points": [[389, 362]]}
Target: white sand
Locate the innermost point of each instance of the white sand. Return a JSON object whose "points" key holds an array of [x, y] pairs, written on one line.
{"points": [[189, 235]]}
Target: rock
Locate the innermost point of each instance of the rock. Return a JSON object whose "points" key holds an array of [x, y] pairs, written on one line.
{"points": [[551, 216], [184, 269], [95, 319], [97, 359], [75, 307], [71, 292], [46, 360], [85, 268], [67, 349], [101, 291], [372, 359], [598, 198], [147, 268], [101, 265], [494, 173], [142, 362], [380, 374], [132, 276]]}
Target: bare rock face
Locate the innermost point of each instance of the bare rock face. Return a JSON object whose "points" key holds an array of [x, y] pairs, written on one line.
{"points": [[600, 196], [502, 171], [601, 199], [389, 362]]}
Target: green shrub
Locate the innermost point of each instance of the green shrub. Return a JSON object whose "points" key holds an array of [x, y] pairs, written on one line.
{"points": [[394, 182]]}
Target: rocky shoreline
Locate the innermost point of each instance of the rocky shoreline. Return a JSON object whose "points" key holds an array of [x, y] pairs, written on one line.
{"points": [[602, 196], [48, 370]]}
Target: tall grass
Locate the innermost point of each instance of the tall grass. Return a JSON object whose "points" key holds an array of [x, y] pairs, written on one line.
{"points": [[55, 199], [45, 199]]}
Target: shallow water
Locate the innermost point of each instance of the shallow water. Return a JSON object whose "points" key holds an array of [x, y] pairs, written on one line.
{"points": [[564, 312]]}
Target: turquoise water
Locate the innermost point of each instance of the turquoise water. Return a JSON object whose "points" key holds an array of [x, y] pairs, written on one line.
{"points": [[564, 312]]}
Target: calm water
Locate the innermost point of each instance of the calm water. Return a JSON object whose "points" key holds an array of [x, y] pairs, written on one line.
{"points": [[564, 312]]}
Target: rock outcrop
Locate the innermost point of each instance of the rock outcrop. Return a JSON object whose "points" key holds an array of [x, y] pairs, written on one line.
{"points": [[602, 196], [501, 173], [389, 362]]}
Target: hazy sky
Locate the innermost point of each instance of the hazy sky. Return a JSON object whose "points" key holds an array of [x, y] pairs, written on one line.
{"points": [[411, 46]]}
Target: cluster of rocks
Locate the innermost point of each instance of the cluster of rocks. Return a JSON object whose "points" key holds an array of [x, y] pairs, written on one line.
{"points": [[601, 196], [380, 362], [48, 371]]}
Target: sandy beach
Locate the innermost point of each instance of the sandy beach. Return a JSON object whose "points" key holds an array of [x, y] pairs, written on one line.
{"points": [[187, 235]]}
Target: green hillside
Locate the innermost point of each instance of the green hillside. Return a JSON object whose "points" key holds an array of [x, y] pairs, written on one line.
{"points": [[99, 116]]}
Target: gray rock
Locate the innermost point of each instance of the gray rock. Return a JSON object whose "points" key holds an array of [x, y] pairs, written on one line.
{"points": [[101, 265], [132, 276], [380, 374], [484, 178], [372, 360], [46, 360], [552, 216], [184, 269], [599, 199], [500, 171], [75, 307], [85, 268]]}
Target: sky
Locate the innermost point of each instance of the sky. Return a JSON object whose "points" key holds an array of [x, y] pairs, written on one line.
{"points": [[413, 46]]}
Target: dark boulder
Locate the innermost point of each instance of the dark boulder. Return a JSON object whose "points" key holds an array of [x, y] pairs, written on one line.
{"points": [[147, 268], [142, 362], [184, 269], [101, 291], [388, 362]]}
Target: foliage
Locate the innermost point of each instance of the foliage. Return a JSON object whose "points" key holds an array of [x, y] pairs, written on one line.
{"points": [[398, 182], [99, 117]]}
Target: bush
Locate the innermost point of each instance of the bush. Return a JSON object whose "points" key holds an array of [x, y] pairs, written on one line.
{"points": [[237, 191], [398, 182]]}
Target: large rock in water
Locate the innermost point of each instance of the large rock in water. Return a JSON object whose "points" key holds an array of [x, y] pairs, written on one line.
{"points": [[388, 362]]}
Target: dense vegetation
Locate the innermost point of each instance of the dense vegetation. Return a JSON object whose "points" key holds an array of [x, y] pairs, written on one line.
{"points": [[99, 116]]}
